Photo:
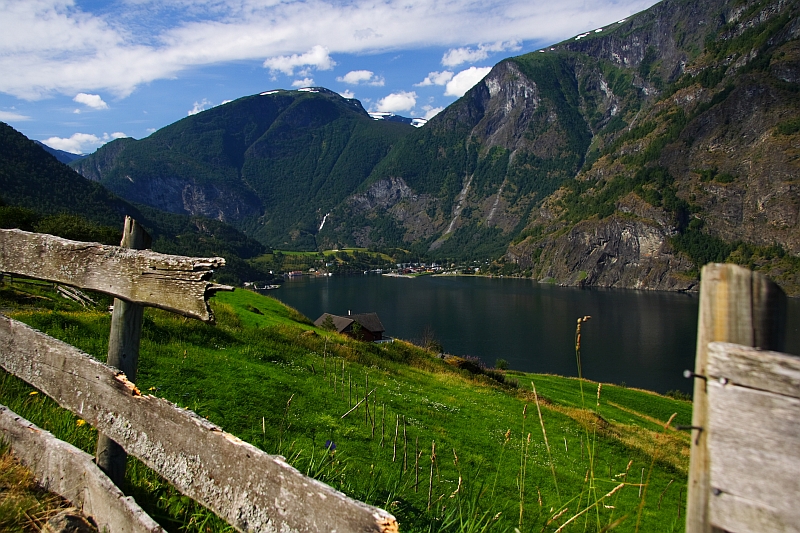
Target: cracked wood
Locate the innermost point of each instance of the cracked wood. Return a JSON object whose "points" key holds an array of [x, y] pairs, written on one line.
{"points": [[171, 282], [252, 490]]}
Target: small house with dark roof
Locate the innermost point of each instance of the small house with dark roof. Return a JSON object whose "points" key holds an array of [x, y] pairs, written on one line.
{"points": [[362, 326]]}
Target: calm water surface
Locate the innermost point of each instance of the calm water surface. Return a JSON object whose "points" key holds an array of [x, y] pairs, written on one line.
{"points": [[641, 338]]}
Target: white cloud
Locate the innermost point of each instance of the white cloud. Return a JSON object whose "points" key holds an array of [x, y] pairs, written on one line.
{"points": [[198, 107], [305, 82], [10, 116], [435, 78], [431, 112], [90, 100], [396, 102], [465, 80], [81, 143], [347, 94], [70, 47], [356, 77], [317, 57], [457, 56]]}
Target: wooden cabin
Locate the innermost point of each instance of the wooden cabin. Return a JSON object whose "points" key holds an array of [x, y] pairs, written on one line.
{"points": [[363, 326]]}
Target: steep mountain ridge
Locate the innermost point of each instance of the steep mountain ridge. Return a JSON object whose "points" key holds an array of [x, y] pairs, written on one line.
{"points": [[248, 162], [626, 156]]}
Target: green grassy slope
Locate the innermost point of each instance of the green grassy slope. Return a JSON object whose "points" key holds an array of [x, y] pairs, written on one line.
{"points": [[268, 376]]}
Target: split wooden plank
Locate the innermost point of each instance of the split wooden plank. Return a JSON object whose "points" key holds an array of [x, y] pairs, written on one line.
{"points": [[252, 490], [172, 282], [71, 473], [753, 439]]}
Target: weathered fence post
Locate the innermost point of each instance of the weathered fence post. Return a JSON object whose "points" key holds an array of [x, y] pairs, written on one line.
{"points": [[123, 353], [737, 306]]}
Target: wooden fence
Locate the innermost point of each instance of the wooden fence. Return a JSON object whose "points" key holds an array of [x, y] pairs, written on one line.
{"points": [[250, 489], [744, 472]]}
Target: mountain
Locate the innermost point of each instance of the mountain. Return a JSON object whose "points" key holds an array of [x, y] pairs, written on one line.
{"points": [[627, 156], [61, 155], [271, 164], [39, 193]]}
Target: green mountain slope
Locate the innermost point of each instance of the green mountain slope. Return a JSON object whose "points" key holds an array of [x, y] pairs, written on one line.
{"points": [[271, 164], [623, 157], [703, 169], [39, 193]]}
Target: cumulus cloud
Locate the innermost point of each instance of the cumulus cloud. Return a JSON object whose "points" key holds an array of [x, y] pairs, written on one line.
{"points": [[305, 82], [367, 77], [435, 78], [317, 57], [457, 56], [90, 100], [465, 80], [347, 94], [397, 102], [10, 116], [199, 106], [81, 143]]}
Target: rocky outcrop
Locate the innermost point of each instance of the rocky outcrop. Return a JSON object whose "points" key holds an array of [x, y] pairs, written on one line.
{"points": [[382, 194], [613, 252]]}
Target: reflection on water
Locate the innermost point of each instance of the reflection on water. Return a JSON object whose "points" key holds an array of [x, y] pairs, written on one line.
{"points": [[641, 338]]}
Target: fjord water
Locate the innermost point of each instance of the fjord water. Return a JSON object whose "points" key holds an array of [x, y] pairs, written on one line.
{"points": [[642, 339]]}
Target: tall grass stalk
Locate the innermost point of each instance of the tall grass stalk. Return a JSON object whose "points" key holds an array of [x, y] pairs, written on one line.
{"points": [[507, 437], [546, 444], [578, 354], [522, 464]]}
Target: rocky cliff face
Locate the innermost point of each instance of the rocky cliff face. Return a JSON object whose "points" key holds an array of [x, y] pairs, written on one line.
{"points": [[615, 252], [714, 120]]}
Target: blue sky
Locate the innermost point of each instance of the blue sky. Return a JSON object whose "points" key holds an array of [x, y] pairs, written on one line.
{"points": [[77, 74]]}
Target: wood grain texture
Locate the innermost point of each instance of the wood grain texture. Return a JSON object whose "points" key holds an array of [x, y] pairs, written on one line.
{"points": [[250, 489], [739, 306], [757, 369], [123, 354], [754, 442], [71, 473], [175, 283]]}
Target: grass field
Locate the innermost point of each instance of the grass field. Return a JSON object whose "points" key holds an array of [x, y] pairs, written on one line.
{"points": [[441, 448]]}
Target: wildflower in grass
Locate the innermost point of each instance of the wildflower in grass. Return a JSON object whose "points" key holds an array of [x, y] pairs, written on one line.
{"points": [[80, 422], [34, 393], [330, 446]]}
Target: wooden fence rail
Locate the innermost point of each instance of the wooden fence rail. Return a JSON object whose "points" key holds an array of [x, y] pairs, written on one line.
{"points": [[252, 490], [65, 470], [754, 439], [745, 456], [171, 282]]}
